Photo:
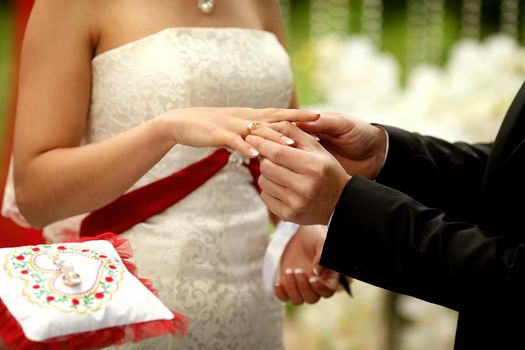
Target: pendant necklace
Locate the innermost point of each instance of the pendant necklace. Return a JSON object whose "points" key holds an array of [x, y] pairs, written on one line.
{"points": [[206, 6]]}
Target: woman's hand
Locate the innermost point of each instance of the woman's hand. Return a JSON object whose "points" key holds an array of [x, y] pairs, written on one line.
{"points": [[227, 127], [302, 280]]}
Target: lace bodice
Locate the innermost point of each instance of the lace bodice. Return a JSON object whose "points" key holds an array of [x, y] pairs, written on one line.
{"points": [[185, 67], [204, 254]]}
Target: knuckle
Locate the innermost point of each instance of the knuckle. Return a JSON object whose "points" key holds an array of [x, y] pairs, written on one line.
{"points": [[298, 205], [318, 169], [313, 300], [297, 302], [276, 154], [306, 190], [233, 139], [265, 166], [286, 125], [262, 182]]}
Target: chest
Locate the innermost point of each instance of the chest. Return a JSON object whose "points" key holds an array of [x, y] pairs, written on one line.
{"points": [[124, 21]]}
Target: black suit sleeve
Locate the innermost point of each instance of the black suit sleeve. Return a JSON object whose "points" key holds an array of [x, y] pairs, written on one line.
{"points": [[435, 172], [383, 237]]}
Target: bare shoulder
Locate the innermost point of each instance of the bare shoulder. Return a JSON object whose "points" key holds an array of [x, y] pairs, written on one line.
{"points": [[52, 20], [55, 74], [270, 12]]}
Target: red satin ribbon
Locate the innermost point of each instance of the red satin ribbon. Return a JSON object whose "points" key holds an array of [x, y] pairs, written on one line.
{"points": [[138, 205]]}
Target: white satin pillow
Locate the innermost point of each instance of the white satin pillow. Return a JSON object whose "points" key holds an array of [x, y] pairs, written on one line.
{"points": [[32, 289]]}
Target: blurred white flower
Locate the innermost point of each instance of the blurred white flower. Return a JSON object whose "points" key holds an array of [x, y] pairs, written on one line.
{"points": [[354, 74], [466, 99]]}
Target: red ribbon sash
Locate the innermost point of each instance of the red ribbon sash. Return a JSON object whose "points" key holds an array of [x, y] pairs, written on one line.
{"points": [[138, 205]]}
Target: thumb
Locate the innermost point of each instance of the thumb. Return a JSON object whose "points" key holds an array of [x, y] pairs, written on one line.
{"points": [[327, 124], [331, 278], [318, 270], [326, 284]]}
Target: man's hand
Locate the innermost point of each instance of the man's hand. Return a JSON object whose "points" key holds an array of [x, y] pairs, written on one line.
{"points": [[359, 146], [300, 184], [302, 280]]}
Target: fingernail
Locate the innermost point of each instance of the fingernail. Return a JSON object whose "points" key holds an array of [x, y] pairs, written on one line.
{"points": [[299, 271], [287, 140], [316, 272], [277, 285], [312, 280], [253, 152], [288, 271]]}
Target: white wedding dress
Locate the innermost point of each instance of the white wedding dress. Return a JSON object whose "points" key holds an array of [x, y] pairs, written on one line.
{"points": [[203, 254]]}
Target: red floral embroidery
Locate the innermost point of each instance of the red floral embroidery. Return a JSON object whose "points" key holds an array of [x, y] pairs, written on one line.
{"points": [[39, 291]]}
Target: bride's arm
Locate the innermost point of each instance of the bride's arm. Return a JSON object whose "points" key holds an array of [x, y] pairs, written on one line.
{"points": [[56, 177]]}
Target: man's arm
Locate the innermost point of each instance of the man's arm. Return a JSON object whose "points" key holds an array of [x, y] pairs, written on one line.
{"points": [[384, 237], [435, 172]]}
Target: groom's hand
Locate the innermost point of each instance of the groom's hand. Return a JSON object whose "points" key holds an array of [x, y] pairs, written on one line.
{"points": [[359, 146], [300, 184]]}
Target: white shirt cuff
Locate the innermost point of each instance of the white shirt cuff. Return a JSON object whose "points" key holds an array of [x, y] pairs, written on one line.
{"points": [[280, 238]]}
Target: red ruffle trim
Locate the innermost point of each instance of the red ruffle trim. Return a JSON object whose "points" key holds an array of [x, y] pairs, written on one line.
{"points": [[13, 336]]}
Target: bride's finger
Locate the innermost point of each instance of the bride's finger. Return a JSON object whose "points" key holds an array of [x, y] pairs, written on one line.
{"points": [[305, 289], [237, 143], [280, 293], [272, 115], [290, 286], [261, 129], [264, 131]]}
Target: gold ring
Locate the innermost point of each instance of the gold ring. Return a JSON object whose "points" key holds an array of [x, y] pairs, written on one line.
{"points": [[251, 126]]}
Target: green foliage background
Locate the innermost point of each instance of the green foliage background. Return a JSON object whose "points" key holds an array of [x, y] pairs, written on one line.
{"points": [[394, 38], [5, 72]]}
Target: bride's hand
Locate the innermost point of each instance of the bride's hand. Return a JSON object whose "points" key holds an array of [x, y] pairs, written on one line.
{"points": [[227, 127], [299, 283]]}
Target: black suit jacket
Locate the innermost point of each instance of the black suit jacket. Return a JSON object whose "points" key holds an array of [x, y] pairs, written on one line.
{"points": [[444, 222]]}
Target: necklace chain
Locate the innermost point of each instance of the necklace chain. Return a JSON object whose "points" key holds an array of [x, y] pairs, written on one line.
{"points": [[206, 6]]}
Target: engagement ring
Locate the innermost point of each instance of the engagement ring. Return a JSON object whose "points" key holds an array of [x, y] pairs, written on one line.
{"points": [[251, 126]]}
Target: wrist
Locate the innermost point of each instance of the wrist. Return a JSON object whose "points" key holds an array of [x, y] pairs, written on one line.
{"points": [[381, 149], [331, 208], [165, 127]]}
